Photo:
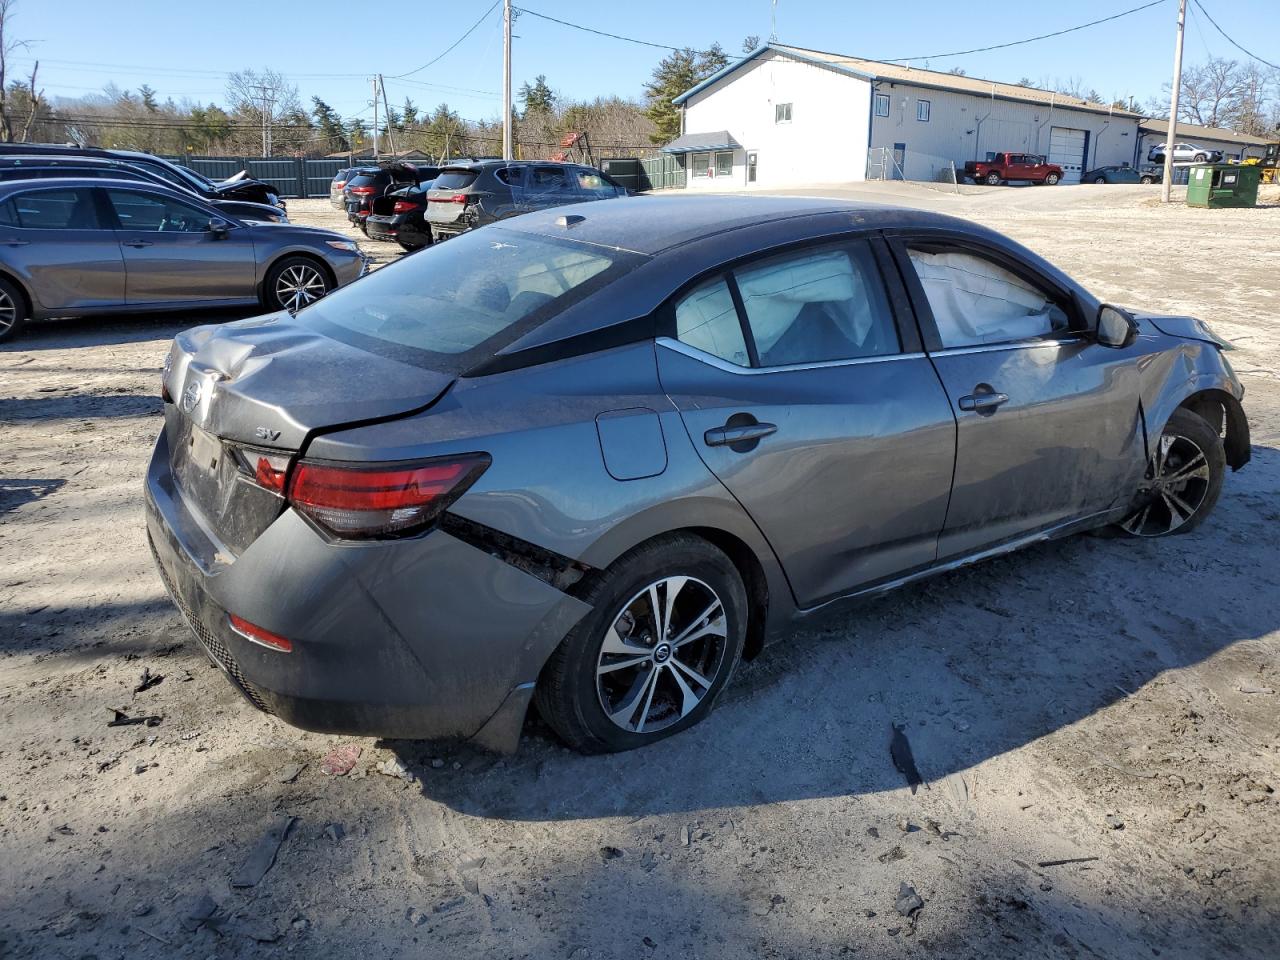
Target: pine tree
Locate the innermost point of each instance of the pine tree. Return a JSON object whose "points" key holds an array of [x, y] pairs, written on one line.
{"points": [[148, 98], [329, 124], [674, 74], [538, 97]]}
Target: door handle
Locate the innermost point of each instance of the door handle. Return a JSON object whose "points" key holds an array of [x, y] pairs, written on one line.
{"points": [[983, 401], [137, 244], [727, 436]]}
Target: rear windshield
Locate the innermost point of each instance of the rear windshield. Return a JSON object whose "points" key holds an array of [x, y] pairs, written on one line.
{"points": [[369, 179], [451, 305], [455, 179]]}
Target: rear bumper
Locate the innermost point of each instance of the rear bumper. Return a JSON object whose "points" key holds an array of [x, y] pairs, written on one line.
{"points": [[424, 638], [382, 228]]}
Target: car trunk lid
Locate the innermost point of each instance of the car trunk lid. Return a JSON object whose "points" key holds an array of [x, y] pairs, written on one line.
{"points": [[247, 396]]}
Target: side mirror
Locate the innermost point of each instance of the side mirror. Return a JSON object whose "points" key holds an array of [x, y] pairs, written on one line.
{"points": [[219, 229], [1115, 327]]}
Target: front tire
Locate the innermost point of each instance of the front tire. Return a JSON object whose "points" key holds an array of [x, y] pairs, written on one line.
{"points": [[1201, 158], [1099, 179], [1052, 180], [294, 282], [13, 311], [660, 644], [1148, 179], [1183, 480]]}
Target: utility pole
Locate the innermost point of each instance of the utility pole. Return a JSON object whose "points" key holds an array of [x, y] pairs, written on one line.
{"points": [[390, 135], [375, 119], [268, 107], [1166, 182], [506, 80]]}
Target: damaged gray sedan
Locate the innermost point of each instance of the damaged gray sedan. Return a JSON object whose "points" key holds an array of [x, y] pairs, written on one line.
{"points": [[592, 458]]}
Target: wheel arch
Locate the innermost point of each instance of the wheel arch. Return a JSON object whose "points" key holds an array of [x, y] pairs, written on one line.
{"points": [[1224, 413], [286, 254], [28, 299]]}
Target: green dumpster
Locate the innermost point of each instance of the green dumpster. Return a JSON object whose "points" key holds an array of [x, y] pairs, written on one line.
{"points": [[1223, 185]]}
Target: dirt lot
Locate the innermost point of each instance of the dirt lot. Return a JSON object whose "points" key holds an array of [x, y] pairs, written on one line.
{"points": [[1097, 721]]}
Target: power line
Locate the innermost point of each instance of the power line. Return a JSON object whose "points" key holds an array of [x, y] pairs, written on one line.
{"points": [[1224, 33], [604, 33], [1017, 43], [455, 43]]}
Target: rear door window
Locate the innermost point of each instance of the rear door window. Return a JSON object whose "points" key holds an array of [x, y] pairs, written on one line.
{"points": [[595, 185], [818, 305], [511, 176], [56, 210], [707, 320], [455, 179]]}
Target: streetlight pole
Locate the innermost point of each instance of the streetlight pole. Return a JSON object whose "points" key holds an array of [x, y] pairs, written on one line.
{"points": [[375, 118], [506, 80], [1166, 181]]}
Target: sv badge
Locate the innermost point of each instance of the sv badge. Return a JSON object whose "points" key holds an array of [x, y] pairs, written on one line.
{"points": [[262, 433]]}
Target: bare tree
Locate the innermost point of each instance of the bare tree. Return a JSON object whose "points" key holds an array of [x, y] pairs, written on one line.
{"points": [[1211, 93]]}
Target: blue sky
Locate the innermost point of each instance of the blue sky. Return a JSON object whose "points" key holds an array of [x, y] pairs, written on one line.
{"points": [[84, 44]]}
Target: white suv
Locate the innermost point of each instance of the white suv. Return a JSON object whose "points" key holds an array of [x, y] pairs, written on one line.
{"points": [[1185, 153]]}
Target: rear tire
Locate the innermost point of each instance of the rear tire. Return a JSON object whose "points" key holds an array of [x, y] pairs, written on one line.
{"points": [[13, 311], [1099, 179], [1201, 158], [1183, 480], [1148, 179], [993, 179], [294, 282], [619, 680]]}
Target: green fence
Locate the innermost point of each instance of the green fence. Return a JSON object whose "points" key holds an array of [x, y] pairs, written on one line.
{"points": [[651, 173], [291, 176]]}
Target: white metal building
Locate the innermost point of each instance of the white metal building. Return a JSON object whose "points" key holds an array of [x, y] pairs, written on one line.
{"points": [[794, 116]]}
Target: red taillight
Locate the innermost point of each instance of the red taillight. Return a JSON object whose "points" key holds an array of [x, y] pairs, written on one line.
{"points": [[375, 501], [269, 472], [256, 634], [362, 191], [456, 198], [404, 206]]}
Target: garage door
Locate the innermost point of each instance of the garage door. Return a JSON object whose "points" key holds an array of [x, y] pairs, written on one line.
{"points": [[1066, 149]]}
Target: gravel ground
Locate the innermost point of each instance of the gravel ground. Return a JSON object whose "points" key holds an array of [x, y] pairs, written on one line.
{"points": [[1097, 721]]}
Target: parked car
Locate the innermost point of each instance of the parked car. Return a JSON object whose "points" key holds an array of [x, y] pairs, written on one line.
{"points": [[235, 188], [468, 195], [593, 456], [1122, 173], [83, 246], [1003, 167], [368, 183], [400, 216], [339, 181], [40, 168], [1185, 153]]}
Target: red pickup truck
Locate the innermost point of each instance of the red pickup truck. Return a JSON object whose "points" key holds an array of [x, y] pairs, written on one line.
{"points": [[1013, 166]]}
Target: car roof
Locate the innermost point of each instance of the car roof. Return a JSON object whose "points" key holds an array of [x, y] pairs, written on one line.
{"points": [[67, 183], [652, 224]]}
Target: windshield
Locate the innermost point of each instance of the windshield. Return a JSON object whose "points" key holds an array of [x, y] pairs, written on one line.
{"points": [[453, 304]]}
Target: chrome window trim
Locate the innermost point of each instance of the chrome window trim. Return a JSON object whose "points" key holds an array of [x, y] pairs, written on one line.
{"points": [[1010, 345], [714, 361]]}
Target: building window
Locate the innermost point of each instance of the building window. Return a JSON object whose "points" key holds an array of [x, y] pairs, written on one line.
{"points": [[700, 166], [724, 164], [882, 104], [782, 113], [922, 110]]}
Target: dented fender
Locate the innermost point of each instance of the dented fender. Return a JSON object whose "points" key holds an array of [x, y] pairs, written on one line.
{"points": [[1191, 372]]}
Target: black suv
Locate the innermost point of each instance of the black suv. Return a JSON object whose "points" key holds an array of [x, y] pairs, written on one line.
{"points": [[467, 195], [366, 184], [246, 188]]}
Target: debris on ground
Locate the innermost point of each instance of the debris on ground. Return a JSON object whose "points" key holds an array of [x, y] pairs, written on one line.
{"points": [[1254, 688], [610, 853], [197, 911], [334, 831], [393, 766], [908, 901], [469, 871], [261, 931], [903, 761], [290, 772], [121, 719], [340, 761], [148, 680], [263, 855], [1114, 822], [892, 854], [1062, 863]]}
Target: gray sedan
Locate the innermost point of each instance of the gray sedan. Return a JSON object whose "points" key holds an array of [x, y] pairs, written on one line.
{"points": [[592, 457], [78, 247]]}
